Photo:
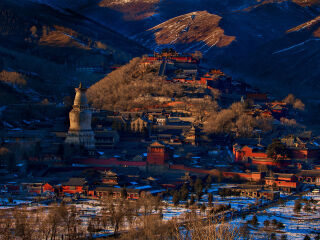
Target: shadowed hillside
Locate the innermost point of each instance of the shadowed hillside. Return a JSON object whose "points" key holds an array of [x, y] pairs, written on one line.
{"points": [[131, 86], [55, 50]]}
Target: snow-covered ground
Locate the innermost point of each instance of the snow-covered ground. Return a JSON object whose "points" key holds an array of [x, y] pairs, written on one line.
{"points": [[296, 225], [4, 203]]}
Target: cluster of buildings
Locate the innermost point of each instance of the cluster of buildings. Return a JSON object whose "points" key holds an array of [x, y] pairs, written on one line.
{"points": [[147, 151]]}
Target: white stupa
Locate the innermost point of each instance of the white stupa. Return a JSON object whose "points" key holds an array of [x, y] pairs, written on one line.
{"points": [[80, 131]]}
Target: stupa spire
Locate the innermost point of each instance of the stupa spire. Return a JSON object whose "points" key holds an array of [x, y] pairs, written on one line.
{"points": [[80, 131]]}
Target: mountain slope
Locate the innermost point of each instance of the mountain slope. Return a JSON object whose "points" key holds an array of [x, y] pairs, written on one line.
{"points": [[252, 39], [55, 50], [294, 58], [194, 30]]}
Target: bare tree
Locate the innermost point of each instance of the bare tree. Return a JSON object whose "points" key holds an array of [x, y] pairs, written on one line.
{"points": [[70, 221], [114, 212], [210, 229], [129, 86], [295, 102]]}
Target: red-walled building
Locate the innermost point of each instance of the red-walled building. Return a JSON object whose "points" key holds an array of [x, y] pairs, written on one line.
{"points": [[158, 154], [242, 154], [47, 188], [286, 182], [270, 162], [301, 149], [252, 176], [311, 154], [74, 185], [256, 156]]}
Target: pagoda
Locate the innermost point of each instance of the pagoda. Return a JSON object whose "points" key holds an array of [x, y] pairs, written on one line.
{"points": [[80, 132]]}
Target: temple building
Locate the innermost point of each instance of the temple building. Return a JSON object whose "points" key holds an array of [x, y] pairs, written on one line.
{"points": [[158, 154], [80, 131]]}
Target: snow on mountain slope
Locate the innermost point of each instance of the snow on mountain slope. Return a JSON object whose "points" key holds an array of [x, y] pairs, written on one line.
{"points": [[196, 30], [308, 24], [262, 41]]}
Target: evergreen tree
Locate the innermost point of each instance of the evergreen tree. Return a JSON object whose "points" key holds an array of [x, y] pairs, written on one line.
{"points": [[184, 192], [274, 222], [307, 237], [297, 206], [124, 193], [273, 236], [307, 207], [280, 225], [198, 187], [210, 199], [176, 198], [277, 150], [254, 220], [209, 181], [203, 208], [266, 223], [191, 200]]}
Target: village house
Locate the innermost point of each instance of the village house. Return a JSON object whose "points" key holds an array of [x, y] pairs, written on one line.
{"points": [[39, 188], [161, 120], [117, 122], [73, 186], [106, 138], [132, 192], [140, 125], [250, 191], [110, 178], [191, 136], [278, 109], [248, 176], [116, 193], [302, 149], [284, 182], [120, 176], [309, 176]]}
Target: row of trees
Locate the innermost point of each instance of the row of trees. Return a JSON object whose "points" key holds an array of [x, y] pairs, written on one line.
{"points": [[141, 219], [56, 222], [235, 119], [66, 221], [193, 188], [307, 207]]}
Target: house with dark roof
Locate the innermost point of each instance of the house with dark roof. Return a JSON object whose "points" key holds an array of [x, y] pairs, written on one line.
{"points": [[285, 182], [309, 176], [106, 138], [73, 186]]}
